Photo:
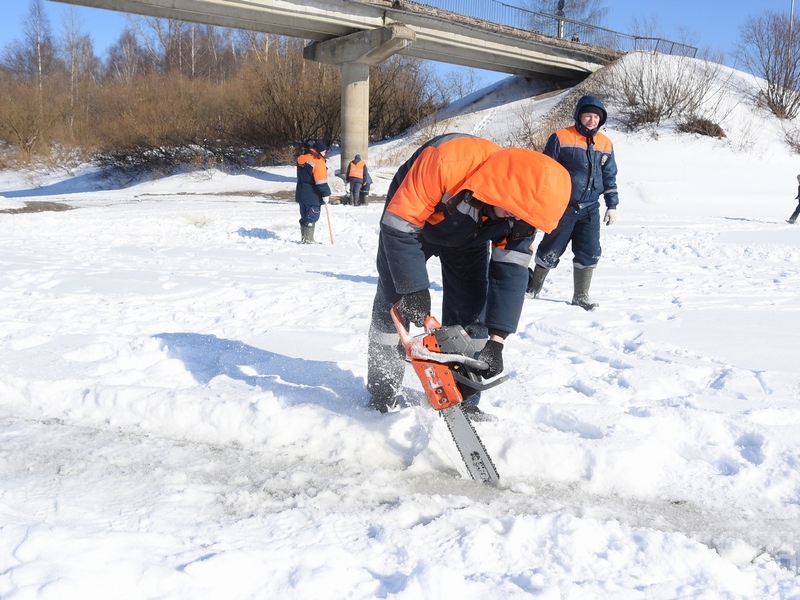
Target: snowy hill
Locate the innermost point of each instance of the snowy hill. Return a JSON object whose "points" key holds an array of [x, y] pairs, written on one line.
{"points": [[182, 391]]}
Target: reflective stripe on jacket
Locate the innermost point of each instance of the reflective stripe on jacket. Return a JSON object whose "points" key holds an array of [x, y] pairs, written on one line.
{"points": [[312, 179], [590, 162]]}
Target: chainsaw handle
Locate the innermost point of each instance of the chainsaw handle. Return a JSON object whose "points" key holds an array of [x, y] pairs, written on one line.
{"points": [[430, 324]]}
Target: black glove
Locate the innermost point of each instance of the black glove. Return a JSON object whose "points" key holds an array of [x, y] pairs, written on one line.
{"points": [[492, 355], [416, 306]]}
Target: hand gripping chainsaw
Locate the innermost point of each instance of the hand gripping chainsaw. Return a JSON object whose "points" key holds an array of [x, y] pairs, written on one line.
{"points": [[443, 360]]}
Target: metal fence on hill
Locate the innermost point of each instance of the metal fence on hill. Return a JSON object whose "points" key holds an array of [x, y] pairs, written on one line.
{"points": [[559, 27]]}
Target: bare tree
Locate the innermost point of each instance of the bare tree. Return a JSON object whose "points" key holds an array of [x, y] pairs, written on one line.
{"points": [[161, 38], [256, 44], [766, 51], [586, 11], [127, 58], [457, 83], [81, 62], [288, 101], [35, 56], [215, 52], [403, 91], [645, 26], [32, 103], [25, 123], [652, 88], [568, 19]]}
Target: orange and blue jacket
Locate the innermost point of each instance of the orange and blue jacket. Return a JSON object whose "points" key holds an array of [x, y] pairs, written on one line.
{"points": [[312, 179], [591, 165], [356, 170], [445, 196]]}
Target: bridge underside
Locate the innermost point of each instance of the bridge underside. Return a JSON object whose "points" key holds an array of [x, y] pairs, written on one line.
{"points": [[357, 34]]}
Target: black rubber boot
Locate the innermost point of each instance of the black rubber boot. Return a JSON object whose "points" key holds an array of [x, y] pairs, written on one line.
{"points": [[582, 279], [536, 281]]}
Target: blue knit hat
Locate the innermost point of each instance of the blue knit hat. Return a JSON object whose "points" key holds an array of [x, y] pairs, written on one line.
{"points": [[319, 147]]}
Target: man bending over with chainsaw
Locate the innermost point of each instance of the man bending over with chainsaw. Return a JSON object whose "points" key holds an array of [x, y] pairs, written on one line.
{"points": [[454, 196]]}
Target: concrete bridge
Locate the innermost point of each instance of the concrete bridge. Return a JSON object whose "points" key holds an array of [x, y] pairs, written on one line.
{"points": [[359, 34]]}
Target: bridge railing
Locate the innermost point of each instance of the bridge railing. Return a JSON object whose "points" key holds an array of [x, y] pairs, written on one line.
{"points": [[559, 27]]}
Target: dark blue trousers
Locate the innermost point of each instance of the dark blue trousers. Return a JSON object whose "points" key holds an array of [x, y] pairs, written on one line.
{"points": [[309, 214], [581, 227], [795, 214]]}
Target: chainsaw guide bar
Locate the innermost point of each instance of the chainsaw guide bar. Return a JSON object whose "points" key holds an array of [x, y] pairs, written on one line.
{"points": [[443, 360]]}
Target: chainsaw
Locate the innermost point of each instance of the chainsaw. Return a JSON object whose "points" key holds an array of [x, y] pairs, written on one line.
{"points": [[443, 360]]}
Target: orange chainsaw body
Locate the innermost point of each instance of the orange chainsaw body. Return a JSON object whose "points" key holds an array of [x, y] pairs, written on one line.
{"points": [[437, 378]]}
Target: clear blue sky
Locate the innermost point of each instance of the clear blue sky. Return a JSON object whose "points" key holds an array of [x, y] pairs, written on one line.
{"points": [[715, 23]]}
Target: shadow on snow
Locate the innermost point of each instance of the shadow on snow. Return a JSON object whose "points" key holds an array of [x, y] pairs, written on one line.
{"points": [[271, 177], [295, 380], [345, 277], [262, 234], [87, 182], [96, 181]]}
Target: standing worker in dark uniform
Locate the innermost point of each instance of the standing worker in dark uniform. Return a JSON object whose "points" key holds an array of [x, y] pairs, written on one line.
{"points": [[454, 196], [312, 189], [356, 175], [796, 212], [589, 157]]}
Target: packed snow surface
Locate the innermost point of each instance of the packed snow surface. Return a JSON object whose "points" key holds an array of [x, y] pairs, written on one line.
{"points": [[182, 402]]}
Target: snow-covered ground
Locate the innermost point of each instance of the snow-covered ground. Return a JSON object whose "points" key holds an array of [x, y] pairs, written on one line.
{"points": [[182, 395]]}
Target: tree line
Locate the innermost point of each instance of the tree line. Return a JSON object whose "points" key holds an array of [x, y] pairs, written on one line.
{"points": [[169, 92]]}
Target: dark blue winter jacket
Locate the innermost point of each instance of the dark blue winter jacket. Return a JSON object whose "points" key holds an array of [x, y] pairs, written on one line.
{"points": [[589, 158], [312, 179]]}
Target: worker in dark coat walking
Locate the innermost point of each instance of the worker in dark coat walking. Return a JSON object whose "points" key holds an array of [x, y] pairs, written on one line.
{"points": [[796, 212], [312, 189]]}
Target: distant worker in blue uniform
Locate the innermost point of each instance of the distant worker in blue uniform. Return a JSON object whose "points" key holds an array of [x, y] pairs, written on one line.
{"points": [[358, 177], [796, 212], [312, 189]]}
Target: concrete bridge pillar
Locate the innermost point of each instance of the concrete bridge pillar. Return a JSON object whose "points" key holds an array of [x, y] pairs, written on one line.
{"points": [[355, 112], [356, 53]]}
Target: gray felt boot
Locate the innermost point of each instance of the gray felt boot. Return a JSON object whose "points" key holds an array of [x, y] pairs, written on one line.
{"points": [[583, 279], [308, 233]]}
